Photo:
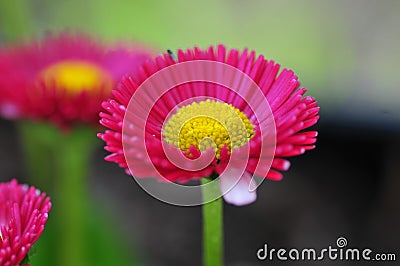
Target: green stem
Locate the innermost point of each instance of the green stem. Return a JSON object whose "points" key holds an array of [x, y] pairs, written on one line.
{"points": [[76, 233], [72, 162], [58, 163], [212, 225]]}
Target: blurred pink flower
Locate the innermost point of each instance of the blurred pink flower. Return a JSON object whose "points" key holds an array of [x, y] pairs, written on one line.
{"points": [[23, 214], [62, 78]]}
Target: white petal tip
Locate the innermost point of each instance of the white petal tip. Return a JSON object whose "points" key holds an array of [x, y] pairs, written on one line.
{"points": [[242, 200], [239, 192], [286, 165]]}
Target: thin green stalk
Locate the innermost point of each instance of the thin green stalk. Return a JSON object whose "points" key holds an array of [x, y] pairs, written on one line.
{"points": [[77, 232], [72, 162], [212, 226], [58, 163]]}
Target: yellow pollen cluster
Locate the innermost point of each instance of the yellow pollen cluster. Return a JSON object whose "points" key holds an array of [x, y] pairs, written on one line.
{"points": [[208, 124], [76, 76]]}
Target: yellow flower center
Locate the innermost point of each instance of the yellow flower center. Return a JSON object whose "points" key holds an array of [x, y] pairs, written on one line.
{"points": [[76, 76], [208, 124]]}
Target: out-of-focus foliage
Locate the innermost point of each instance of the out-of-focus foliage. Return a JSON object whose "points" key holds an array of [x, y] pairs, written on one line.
{"points": [[324, 42]]}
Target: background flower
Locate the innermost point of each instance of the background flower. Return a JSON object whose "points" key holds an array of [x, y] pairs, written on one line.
{"points": [[62, 78], [23, 214]]}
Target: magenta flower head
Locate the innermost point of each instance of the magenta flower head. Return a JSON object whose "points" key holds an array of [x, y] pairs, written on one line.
{"points": [[209, 113], [62, 78], [23, 214]]}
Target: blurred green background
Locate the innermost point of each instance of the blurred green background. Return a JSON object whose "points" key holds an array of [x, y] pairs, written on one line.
{"points": [[345, 52]]}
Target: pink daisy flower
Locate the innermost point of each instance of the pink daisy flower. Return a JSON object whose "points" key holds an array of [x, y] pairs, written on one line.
{"points": [[62, 78], [168, 127], [23, 214]]}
